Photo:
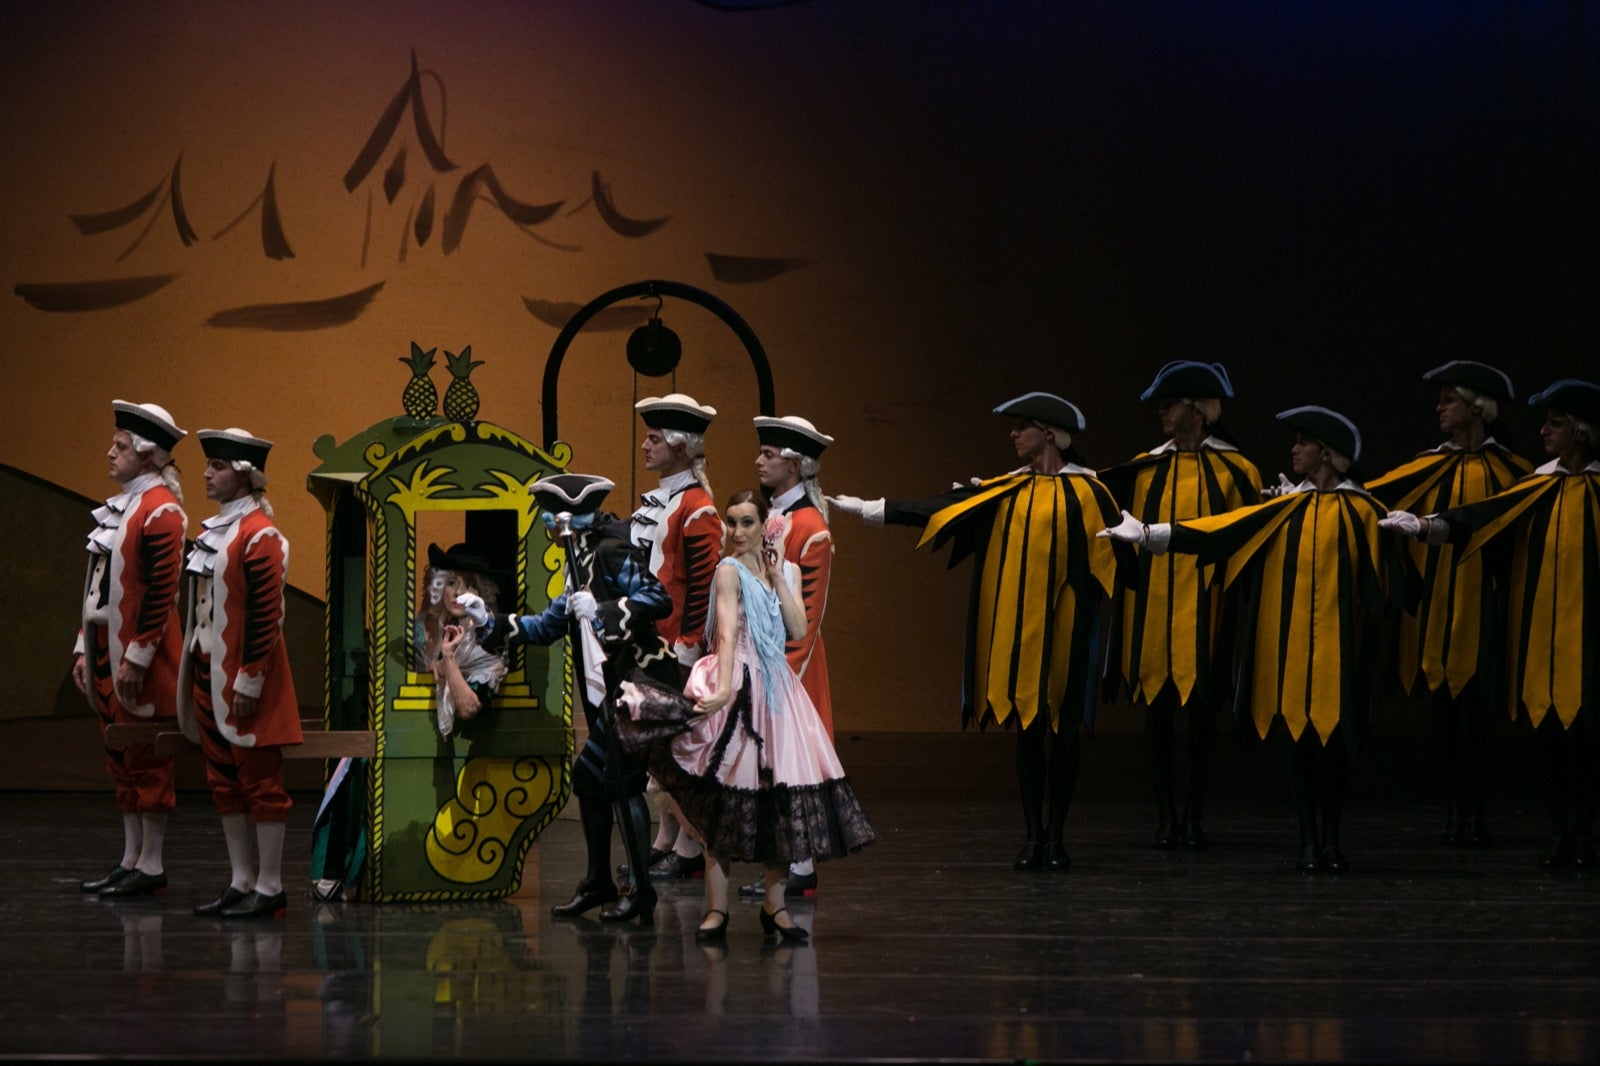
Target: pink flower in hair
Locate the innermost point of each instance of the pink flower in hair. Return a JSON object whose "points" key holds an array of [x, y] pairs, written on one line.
{"points": [[777, 525]]}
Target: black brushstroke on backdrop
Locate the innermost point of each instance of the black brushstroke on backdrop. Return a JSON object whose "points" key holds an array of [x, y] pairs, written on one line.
{"points": [[627, 227], [378, 141], [523, 214], [273, 241], [747, 269], [297, 315], [425, 218], [558, 314], [67, 297]]}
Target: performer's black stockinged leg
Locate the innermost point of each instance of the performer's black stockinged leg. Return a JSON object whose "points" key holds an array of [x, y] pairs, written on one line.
{"points": [[1554, 743], [1031, 771], [1333, 776], [1158, 731], [1581, 745], [1303, 787], [597, 888], [1447, 738], [1202, 739], [1473, 707], [1066, 757], [633, 822]]}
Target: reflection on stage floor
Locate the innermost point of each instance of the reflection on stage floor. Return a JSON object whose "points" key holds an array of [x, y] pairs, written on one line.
{"points": [[925, 946]]}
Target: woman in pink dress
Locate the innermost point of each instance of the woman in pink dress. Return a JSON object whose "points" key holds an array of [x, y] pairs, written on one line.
{"points": [[742, 749]]}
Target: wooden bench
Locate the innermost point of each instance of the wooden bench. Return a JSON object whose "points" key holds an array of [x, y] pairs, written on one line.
{"points": [[319, 743]]}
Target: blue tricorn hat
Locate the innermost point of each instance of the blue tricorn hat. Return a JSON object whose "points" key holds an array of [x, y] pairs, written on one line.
{"points": [[1328, 426], [1481, 378], [1572, 396], [1045, 407], [1185, 379]]}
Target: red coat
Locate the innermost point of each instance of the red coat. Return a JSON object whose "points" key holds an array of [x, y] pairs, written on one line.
{"points": [[131, 596], [809, 545], [244, 638]]}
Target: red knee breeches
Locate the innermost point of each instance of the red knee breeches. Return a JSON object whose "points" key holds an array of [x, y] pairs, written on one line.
{"points": [[142, 779], [243, 780]]}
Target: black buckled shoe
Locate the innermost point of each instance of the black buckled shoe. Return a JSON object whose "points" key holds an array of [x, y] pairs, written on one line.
{"points": [[255, 905], [625, 872], [639, 903], [137, 883], [100, 884], [586, 899], [1194, 838], [677, 868], [229, 897], [1031, 857]]}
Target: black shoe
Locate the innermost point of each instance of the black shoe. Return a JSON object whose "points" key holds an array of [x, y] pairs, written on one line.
{"points": [[677, 868], [1333, 860], [715, 934], [1584, 859], [586, 899], [1031, 857], [1310, 860], [1194, 838], [1475, 834], [1452, 835], [791, 933], [1056, 859], [625, 872], [796, 887], [640, 904], [230, 896], [100, 884], [255, 905], [1557, 854], [1166, 837], [137, 883]]}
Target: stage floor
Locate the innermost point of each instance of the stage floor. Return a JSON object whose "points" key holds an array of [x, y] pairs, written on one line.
{"points": [[925, 946]]}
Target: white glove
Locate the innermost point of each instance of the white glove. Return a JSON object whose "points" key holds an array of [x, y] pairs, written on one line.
{"points": [[869, 511], [1403, 522], [1130, 530], [583, 604], [476, 609], [1284, 485]]}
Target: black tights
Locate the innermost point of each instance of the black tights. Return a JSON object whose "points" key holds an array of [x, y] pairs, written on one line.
{"points": [[595, 812], [1047, 764], [1318, 775], [1461, 736], [1160, 722], [1569, 758]]}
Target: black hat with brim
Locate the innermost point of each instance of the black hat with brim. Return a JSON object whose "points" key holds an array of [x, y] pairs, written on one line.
{"points": [[143, 420], [1045, 407], [462, 558], [234, 445], [574, 494], [1186, 379], [1481, 378], [1571, 396], [792, 432], [675, 411], [1328, 426]]}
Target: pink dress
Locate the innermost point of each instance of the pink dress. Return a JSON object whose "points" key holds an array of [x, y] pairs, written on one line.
{"points": [[758, 780]]}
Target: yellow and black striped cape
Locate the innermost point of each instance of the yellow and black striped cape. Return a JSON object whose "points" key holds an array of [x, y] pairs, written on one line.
{"points": [[1168, 618], [1321, 585], [1040, 577], [1550, 520], [1454, 634]]}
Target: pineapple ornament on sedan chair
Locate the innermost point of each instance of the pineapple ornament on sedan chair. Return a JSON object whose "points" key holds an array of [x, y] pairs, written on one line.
{"points": [[420, 398], [461, 398]]}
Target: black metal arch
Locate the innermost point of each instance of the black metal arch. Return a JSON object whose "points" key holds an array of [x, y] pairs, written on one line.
{"points": [[766, 401]]}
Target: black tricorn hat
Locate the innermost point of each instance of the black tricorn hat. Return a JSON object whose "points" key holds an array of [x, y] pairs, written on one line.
{"points": [[792, 431], [1328, 426], [235, 445], [675, 411], [1572, 396], [462, 558], [149, 421], [1185, 379], [1481, 378], [1045, 407], [574, 494]]}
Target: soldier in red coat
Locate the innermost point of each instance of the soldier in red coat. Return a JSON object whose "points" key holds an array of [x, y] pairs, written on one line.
{"points": [[127, 652], [678, 525], [236, 696], [787, 465]]}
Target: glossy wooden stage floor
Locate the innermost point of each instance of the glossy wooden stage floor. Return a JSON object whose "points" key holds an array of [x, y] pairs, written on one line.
{"points": [[926, 945]]}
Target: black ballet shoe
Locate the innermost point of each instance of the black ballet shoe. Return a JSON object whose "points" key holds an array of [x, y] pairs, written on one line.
{"points": [[715, 934], [137, 883], [1166, 837], [1194, 838], [1475, 834], [229, 897], [1584, 859], [586, 899], [674, 867], [1031, 857], [1056, 859], [100, 884], [639, 903], [1557, 854], [1333, 860], [255, 905], [1310, 860], [791, 933]]}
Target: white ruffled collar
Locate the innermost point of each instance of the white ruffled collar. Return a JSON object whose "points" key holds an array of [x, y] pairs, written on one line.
{"points": [[1216, 444], [1554, 467], [203, 556], [108, 516], [669, 487]]}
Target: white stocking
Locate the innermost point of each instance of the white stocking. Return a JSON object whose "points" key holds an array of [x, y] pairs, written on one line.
{"points": [[236, 833], [269, 845], [153, 835]]}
